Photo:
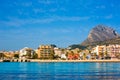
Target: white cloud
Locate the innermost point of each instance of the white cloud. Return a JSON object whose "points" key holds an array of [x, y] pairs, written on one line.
{"points": [[109, 16], [103, 17], [46, 1], [101, 7], [38, 10], [61, 30], [10, 23], [74, 18], [25, 4], [47, 20], [53, 10], [19, 22]]}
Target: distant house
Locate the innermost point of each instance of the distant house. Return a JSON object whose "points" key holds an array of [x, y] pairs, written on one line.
{"points": [[76, 56], [109, 50], [57, 52], [88, 56], [26, 53], [1, 54], [73, 56], [9, 55], [70, 57], [63, 56], [6, 54], [45, 52]]}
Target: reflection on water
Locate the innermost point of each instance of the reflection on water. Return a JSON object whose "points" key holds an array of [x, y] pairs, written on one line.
{"points": [[59, 71]]}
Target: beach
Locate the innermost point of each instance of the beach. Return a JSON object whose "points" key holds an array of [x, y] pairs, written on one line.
{"points": [[36, 60]]}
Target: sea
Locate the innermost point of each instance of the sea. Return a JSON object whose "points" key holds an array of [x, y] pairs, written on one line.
{"points": [[59, 71]]}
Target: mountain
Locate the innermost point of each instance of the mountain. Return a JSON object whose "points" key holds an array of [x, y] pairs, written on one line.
{"points": [[93, 44], [106, 42], [100, 33]]}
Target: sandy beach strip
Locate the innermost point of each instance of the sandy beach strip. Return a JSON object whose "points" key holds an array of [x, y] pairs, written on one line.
{"points": [[36, 60], [1, 60]]}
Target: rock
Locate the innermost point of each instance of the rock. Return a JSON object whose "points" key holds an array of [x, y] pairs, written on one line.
{"points": [[100, 33]]}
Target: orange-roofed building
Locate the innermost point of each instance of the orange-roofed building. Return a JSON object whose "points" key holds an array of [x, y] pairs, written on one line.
{"points": [[73, 56]]}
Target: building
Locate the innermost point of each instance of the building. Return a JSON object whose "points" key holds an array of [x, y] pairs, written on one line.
{"points": [[45, 52], [111, 50], [6, 54], [100, 49], [114, 50], [57, 51], [73, 56], [26, 53], [63, 56], [1, 54]]}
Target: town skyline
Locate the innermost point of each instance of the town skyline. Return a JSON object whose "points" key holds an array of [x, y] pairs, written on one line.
{"points": [[61, 22]]}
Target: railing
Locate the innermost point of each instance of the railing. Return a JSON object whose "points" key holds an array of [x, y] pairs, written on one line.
{"points": [[15, 60]]}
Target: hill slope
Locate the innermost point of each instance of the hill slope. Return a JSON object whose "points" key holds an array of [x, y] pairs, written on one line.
{"points": [[93, 44], [100, 33]]}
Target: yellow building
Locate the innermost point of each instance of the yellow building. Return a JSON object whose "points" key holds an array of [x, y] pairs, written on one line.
{"points": [[8, 55], [45, 51]]}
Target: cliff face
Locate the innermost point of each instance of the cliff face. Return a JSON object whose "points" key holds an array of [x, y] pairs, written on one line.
{"points": [[100, 33]]}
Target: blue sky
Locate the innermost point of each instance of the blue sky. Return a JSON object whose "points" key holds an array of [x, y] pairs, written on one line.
{"points": [[61, 22]]}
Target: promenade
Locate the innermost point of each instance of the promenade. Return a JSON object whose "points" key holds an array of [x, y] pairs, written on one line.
{"points": [[36, 60]]}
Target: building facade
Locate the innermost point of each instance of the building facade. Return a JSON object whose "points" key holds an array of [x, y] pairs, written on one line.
{"points": [[45, 51], [58, 52], [110, 50], [26, 53]]}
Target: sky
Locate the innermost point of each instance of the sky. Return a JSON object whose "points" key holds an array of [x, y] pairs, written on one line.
{"points": [[30, 23]]}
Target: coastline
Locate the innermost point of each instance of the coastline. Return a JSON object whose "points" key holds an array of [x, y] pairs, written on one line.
{"points": [[42, 61], [74, 60]]}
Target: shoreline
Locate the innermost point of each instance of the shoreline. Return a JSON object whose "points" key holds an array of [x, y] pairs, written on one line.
{"points": [[42, 61], [74, 60]]}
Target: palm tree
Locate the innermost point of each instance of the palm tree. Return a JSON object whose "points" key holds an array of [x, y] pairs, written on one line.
{"points": [[101, 55], [84, 56], [2, 55], [16, 55], [72, 53], [95, 55], [29, 53], [117, 55], [106, 54]]}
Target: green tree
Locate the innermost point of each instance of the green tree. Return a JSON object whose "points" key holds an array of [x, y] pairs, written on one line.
{"points": [[53, 45], [95, 55], [117, 55], [51, 55], [101, 55], [16, 55], [29, 53], [1, 55], [66, 54], [56, 57], [72, 53], [106, 54], [84, 56], [35, 56]]}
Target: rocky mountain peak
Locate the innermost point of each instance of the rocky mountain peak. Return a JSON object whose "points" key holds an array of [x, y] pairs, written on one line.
{"points": [[100, 33]]}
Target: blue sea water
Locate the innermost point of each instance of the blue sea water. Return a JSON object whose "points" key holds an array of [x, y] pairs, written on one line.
{"points": [[59, 71]]}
